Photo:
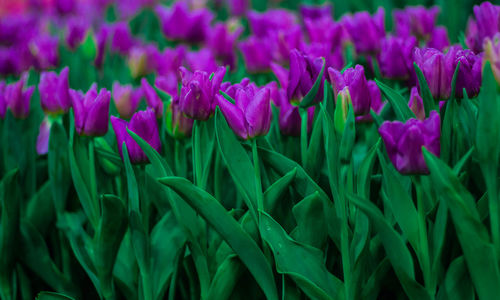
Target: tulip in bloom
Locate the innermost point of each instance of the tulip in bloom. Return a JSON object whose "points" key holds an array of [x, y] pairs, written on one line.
{"points": [[376, 103], [16, 97], [261, 24], [251, 114], [485, 25], [238, 7], [178, 125], [355, 80], [143, 123], [91, 111], [152, 99], [316, 11], [257, 54], [439, 39], [54, 92], [396, 57], [222, 40], [366, 31], [122, 40], [126, 99], [404, 142], [202, 60], [304, 71], [415, 20], [76, 30], [198, 92], [45, 51]]}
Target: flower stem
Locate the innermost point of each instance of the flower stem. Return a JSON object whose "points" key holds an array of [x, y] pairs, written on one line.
{"points": [[258, 179], [422, 230], [303, 135]]}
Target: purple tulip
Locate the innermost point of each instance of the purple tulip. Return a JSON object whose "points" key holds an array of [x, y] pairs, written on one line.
{"points": [[178, 23], [355, 80], [439, 39], [126, 99], [202, 60], [42, 140], [396, 57], [365, 31], [143, 123], [15, 97], [485, 25], [122, 40], [102, 38], [251, 114], [472, 36], [415, 20], [54, 92], [238, 7], [178, 125], [271, 20], [45, 51], [290, 120], [470, 72], [304, 71], [168, 83], [170, 60], [198, 92], [376, 103], [257, 54], [333, 56], [416, 104], [404, 142], [283, 41], [152, 99], [222, 40], [231, 89], [76, 29], [91, 111], [325, 31], [316, 11]]}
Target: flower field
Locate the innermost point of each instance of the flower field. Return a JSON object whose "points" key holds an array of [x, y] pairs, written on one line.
{"points": [[238, 149]]}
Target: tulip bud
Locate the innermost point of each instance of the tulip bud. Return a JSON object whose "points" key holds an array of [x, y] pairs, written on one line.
{"points": [[396, 57], [439, 39], [54, 92], [354, 79], [143, 123], [15, 97], [91, 111], [138, 62], [366, 31], [251, 114], [126, 99], [416, 104], [178, 125], [342, 109], [257, 54], [304, 71], [416, 20], [404, 142]]}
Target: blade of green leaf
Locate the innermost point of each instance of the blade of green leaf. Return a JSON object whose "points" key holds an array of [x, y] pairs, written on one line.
{"points": [[308, 99], [397, 102], [427, 98]]}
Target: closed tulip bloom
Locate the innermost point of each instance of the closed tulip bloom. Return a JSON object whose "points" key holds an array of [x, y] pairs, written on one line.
{"points": [[222, 41], [366, 31], [16, 97], [261, 24], [396, 57], [44, 49], [202, 60], [143, 123], [325, 31], [152, 98], [122, 39], [304, 71], [75, 32], [437, 69], [404, 142], [42, 140], [416, 104], [469, 74], [355, 80], [91, 111], [376, 103], [439, 39], [487, 19], [102, 39], [257, 54], [168, 83], [251, 114], [54, 92], [415, 20], [178, 125], [333, 56], [316, 11], [492, 54], [169, 60], [289, 118], [126, 99], [198, 92]]}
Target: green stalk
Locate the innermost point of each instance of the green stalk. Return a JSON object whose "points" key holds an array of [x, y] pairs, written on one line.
{"points": [[303, 135], [424, 255], [258, 179], [197, 168], [490, 175], [344, 248]]}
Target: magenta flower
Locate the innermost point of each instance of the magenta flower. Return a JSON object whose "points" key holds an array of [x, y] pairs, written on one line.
{"points": [[303, 73], [316, 11], [152, 98], [376, 103], [16, 97], [439, 39], [271, 20], [333, 56], [470, 72], [238, 7], [178, 125], [325, 31], [251, 114], [122, 40], [143, 123], [75, 33], [354, 79], [44, 49], [197, 99], [222, 42], [416, 104], [365, 31], [169, 60], [404, 142], [415, 20], [168, 83], [126, 99], [42, 140], [54, 92], [289, 118], [202, 60], [91, 111], [485, 25], [102, 38], [283, 41], [396, 58], [257, 54]]}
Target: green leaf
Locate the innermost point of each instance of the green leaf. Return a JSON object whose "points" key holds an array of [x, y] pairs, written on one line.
{"points": [[237, 161], [456, 284], [107, 240], [213, 212], [479, 253], [59, 172], [52, 296], [348, 137], [276, 191], [315, 149], [308, 99], [40, 209], [133, 190], [398, 103], [303, 263], [365, 171], [225, 279], [310, 222], [427, 98]]}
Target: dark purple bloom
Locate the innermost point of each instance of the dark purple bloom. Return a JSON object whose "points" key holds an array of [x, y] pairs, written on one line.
{"points": [[178, 125], [179, 23], [487, 20], [354, 79], [122, 40], [42, 140], [416, 104], [404, 142], [325, 31], [283, 41], [415, 20], [126, 99], [257, 54], [169, 60], [3, 101], [222, 40], [45, 51], [271, 20], [17, 98], [202, 60], [470, 72], [198, 92], [316, 11], [250, 116], [365, 31], [168, 83], [396, 58], [439, 39], [152, 98], [143, 123], [102, 38], [376, 103], [231, 89], [91, 111], [303, 73], [76, 30], [333, 57], [54, 92]]}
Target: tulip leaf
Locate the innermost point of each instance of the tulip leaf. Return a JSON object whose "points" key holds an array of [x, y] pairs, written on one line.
{"points": [[276, 191], [397, 102], [238, 163], [308, 99], [365, 171], [225, 279], [314, 159], [52, 296], [457, 284], [133, 190], [227, 97], [216, 215], [303, 263], [479, 252], [310, 223], [59, 172], [348, 137], [427, 98]]}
